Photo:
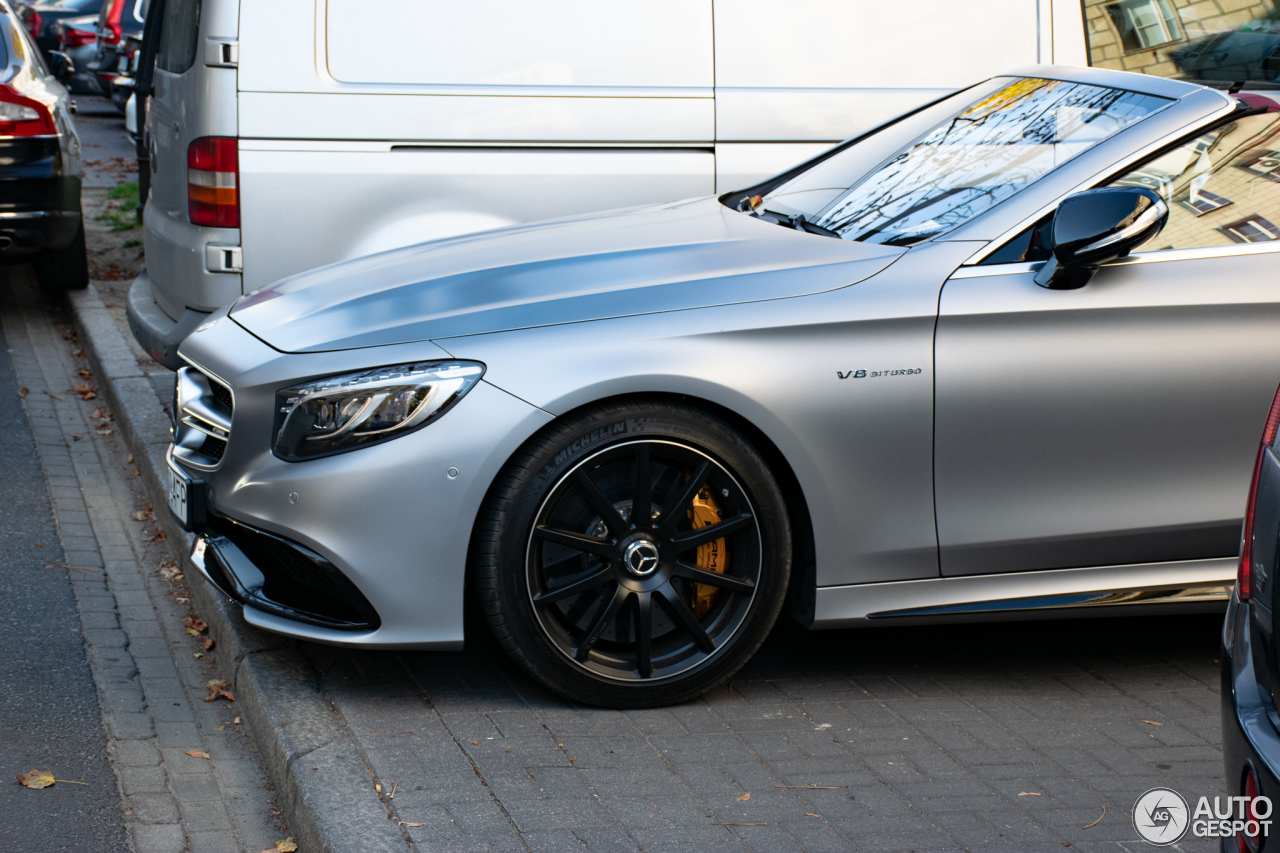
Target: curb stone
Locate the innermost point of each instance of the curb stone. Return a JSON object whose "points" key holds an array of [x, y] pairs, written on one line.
{"points": [[324, 783]]}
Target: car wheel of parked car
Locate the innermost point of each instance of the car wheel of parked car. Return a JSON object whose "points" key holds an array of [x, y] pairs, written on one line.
{"points": [[634, 555], [64, 269]]}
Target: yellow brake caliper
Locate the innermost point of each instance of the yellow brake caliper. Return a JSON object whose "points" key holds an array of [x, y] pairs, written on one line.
{"points": [[712, 557]]}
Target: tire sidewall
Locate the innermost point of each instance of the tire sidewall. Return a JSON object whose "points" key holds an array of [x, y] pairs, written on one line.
{"points": [[552, 455]]}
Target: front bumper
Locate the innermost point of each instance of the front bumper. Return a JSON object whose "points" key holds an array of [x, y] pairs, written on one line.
{"points": [[1250, 737], [393, 521]]}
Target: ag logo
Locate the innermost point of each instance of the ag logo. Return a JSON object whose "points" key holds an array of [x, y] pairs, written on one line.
{"points": [[1161, 816]]}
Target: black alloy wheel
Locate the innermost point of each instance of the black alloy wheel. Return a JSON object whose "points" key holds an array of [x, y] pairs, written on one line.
{"points": [[634, 556]]}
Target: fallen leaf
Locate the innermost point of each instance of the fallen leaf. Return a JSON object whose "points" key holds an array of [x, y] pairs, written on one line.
{"points": [[377, 787], [170, 571], [78, 353], [1152, 723], [159, 537], [199, 655], [23, 391], [39, 544], [133, 472], [220, 728], [105, 430], [402, 823], [85, 392], [286, 845], [745, 796], [475, 743], [1066, 844], [55, 396], [208, 643], [196, 625], [144, 515], [1029, 794], [890, 763], [218, 690], [85, 373], [198, 753], [237, 721], [810, 814], [98, 414], [76, 437], [37, 779], [130, 459]]}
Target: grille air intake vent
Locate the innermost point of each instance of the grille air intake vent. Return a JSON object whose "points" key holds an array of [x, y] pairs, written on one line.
{"points": [[203, 407]]}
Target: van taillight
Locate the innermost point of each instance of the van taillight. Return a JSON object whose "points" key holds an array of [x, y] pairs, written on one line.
{"points": [[1244, 576], [213, 179], [21, 116]]}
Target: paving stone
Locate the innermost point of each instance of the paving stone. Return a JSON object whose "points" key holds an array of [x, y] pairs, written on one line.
{"points": [[159, 838]]}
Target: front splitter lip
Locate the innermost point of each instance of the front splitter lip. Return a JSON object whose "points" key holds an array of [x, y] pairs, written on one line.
{"points": [[230, 570]]}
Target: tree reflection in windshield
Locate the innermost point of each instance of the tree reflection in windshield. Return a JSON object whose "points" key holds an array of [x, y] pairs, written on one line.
{"points": [[980, 157]]}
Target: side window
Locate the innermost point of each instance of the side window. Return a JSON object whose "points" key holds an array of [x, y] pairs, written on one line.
{"points": [[1222, 187], [179, 35]]}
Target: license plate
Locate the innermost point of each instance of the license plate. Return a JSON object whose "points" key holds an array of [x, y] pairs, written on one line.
{"points": [[180, 496]]}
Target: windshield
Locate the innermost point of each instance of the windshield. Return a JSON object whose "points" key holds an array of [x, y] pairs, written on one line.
{"points": [[991, 142]]}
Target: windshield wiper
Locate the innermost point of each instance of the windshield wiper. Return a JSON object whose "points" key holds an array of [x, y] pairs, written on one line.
{"points": [[797, 222]]}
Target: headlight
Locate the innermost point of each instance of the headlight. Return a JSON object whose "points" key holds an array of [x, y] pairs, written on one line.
{"points": [[338, 413]]}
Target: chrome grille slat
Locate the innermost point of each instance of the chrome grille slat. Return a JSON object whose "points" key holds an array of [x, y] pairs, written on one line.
{"points": [[202, 424]]}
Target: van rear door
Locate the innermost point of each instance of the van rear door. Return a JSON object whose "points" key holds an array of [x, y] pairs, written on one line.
{"points": [[193, 97]]}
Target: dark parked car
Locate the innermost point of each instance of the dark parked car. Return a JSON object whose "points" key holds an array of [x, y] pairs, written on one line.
{"points": [[1250, 666], [41, 19], [39, 163], [120, 25], [78, 39]]}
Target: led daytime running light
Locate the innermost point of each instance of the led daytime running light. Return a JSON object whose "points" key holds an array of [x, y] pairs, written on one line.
{"points": [[353, 410]]}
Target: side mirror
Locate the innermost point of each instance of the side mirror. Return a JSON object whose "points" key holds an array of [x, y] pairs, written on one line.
{"points": [[1096, 226], [60, 65]]}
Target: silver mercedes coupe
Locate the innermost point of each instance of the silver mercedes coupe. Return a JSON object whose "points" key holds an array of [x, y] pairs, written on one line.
{"points": [[1004, 356]]}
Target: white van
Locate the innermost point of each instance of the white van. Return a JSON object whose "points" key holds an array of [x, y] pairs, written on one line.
{"points": [[287, 134]]}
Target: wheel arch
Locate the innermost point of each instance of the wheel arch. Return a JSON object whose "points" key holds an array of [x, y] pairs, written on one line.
{"points": [[802, 588]]}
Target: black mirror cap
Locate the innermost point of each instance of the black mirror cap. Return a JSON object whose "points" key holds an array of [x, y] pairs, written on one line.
{"points": [[1096, 226], [60, 65]]}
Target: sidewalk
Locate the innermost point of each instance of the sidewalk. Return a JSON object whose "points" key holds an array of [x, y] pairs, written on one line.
{"points": [[185, 770], [964, 737]]}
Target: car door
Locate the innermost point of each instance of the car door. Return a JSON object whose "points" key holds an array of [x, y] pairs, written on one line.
{"points": [[1117, 423]]}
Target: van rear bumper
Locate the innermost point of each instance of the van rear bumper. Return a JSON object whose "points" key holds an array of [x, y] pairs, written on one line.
{"points": [[154, 330]]}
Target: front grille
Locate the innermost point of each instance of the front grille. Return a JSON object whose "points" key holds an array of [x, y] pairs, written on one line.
{"points": [[203, 409]]}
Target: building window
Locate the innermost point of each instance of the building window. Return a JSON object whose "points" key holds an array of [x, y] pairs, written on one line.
{"points": [[1251, 229], [1264, 165], [1202, 202], [1144, 24]]}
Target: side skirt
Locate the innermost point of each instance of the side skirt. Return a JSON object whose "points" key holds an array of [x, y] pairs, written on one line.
{"points": [[1157, 588]]}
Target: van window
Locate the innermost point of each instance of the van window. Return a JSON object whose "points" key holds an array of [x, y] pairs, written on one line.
{"points": [[179, 35], [1214, 44]]}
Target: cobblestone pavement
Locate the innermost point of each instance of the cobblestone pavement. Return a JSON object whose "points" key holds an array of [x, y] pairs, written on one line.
{"points": [[1011, 736], [150, 674]]}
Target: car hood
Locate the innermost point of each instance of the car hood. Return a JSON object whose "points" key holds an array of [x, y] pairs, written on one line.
{"points": [[691, 254]]}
